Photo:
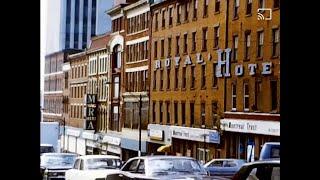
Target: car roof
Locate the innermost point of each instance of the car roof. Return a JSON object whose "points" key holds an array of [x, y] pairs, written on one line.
{"points": [[269, 161], [226, 159], [46, 145], [162, 157], [57, 154], [85, 157], [273, 143]]}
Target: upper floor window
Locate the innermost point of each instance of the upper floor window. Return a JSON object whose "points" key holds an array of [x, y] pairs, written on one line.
{"points": [[249, 7], [217, 6], [236, 8]]}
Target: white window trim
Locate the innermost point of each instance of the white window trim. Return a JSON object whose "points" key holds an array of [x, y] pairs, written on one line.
{"points": [[245, 96], [233, 96]]}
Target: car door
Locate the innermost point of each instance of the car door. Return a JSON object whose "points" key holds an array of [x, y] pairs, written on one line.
{"points": [[130, 169], [215, 167], [229, 167], [72, 173]]}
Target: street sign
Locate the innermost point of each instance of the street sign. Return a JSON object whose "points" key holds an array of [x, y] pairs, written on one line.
{"points": [[91, 98]]}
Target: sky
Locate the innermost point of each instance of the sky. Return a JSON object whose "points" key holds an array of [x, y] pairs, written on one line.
{"points": [[43, 22]]}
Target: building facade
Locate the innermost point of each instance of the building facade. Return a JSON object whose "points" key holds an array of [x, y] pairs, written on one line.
{"points": [[71, 23], [211, 61], [54, 83], [185, 94], [135, 77], [252, 115]]}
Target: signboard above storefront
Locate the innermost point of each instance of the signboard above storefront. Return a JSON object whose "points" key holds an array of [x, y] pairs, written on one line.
{"points": [[111, 140], [195, 134], [73, 132], [251, 126], [156, 134]]}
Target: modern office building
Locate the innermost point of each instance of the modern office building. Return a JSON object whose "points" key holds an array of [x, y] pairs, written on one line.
{"points": [[72, 23]]}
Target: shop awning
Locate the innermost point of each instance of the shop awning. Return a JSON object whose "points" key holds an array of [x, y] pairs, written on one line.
{"points": [[164, 148]]}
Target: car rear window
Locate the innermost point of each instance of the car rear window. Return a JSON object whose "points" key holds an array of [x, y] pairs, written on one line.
{"points": [[275, 152]]}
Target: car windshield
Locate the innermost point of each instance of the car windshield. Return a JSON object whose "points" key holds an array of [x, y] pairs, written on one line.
{"points": [[57, 160], [173, 166], [103, 163], [46, 149]]}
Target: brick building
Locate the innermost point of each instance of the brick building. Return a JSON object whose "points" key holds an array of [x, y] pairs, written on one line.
{"points": [[54, 81], [195, 44], [252, 114], [184, 93], [135, 77]]}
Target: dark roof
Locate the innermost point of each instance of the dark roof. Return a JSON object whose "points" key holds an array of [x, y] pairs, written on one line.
{"points": [[99, 42]]}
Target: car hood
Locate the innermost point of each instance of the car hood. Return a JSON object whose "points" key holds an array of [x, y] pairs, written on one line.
{"points": [[58, 167], [187, 177]]}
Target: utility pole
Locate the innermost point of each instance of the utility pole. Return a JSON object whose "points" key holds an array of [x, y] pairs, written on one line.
{"points": [[140, 113]]}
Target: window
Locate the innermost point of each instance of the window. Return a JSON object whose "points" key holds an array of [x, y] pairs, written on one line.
{"points": [[204, 38], [214, 77], [193, 77], [216, 36], [247, 46], [154, 111], [186, 10], [276, 3], [168, 78], [191, 114], [216, 164], [168, 112], [177, 45], [176, 75], [203, 154], [234, 97], [170, 17], [249, 7], [131, 166], [175, 112], [162, 48], [161, 111], [203, 76], [194, 41], [260, 44], [185, 40], [246, 96], [155, 49], [183, 113], [258, 96], [156, 21], [274, 95], [184, 77], [261, 4], [178, 13], [235, 47], [161, 79], [205, 8], [275, 42], [163, 19], [217, 6], [154, 80], [203, 113], [195, 8], [169, 46], [236, 8]]}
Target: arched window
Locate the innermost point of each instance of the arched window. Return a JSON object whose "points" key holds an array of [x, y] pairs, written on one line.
{"points": [[117, 56]]}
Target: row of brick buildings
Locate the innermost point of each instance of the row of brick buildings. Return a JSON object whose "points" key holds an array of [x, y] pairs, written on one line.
{"points": [[203, 77]]}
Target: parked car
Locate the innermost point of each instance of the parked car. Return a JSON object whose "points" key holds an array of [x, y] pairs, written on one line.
{"points": [[224, 167], [46, 148], [91, 167], [270, 150], [161, 167], [54, 165], [263, 170]]}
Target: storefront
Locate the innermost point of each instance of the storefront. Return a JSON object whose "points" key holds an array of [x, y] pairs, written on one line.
{"points": [[202, 144], [88, 143], [111, 145], [71, 139], [245, 138], [158, 136]]}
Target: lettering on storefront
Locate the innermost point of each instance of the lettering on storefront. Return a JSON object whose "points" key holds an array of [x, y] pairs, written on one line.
{"points": [[195, 134], [156, 134], [251, 126]]}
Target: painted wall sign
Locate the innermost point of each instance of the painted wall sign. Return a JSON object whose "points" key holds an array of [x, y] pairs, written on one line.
{"points": [[251, 126]]}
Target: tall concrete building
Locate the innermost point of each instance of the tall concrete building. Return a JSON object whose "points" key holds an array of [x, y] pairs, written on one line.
{"points": [[72, 23]]}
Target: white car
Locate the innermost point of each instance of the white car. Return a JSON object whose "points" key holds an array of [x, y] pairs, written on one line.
{"points": [[91, 167]]}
